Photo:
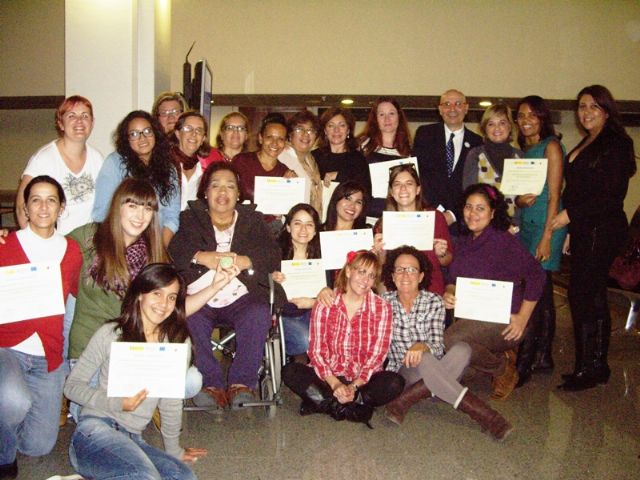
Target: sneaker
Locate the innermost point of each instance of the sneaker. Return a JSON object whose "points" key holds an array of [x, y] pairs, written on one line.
{"points": [[211, 397]]}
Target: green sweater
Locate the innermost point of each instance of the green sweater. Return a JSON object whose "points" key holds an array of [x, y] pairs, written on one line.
{"points": [[94, 306]]}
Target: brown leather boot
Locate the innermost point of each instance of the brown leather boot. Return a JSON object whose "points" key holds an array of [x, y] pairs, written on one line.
{"points": [[504, 384], [398, 408], [486, 416]]}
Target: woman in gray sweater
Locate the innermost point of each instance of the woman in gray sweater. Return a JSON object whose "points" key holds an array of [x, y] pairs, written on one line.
{"points": [[107, 442]]}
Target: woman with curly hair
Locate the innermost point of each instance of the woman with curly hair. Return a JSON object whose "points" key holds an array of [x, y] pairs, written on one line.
{"points": [[488, 251], [417, 350], [142, 151]]}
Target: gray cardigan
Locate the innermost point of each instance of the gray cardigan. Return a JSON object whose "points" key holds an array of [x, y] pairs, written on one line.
{"points": [[94, 401]]}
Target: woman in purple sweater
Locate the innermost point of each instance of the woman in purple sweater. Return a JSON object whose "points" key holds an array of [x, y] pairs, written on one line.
{"points": [[489, 251]]}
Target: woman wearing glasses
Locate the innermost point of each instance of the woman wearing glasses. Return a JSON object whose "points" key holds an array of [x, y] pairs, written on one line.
{"points": [[303, 133], [417, 347], [232, 138], [188, 147], [167, 108], [142, 151]]}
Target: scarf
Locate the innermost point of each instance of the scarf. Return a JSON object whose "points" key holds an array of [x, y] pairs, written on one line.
{"points": [[497, 152], [136, 256], [182, 160]]}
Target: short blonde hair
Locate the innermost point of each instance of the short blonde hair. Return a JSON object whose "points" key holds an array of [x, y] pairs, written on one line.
{"points": [[498, 109]]}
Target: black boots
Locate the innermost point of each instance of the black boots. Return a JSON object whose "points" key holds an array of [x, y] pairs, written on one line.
{"points": [[396, 410], [488, 419], [318, 398]]}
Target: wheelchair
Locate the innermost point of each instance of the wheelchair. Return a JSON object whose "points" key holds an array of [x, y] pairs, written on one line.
{"points": [[269, 373]]}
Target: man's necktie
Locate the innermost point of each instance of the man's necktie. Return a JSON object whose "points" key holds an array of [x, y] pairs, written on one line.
{"points": [[450, 155]]}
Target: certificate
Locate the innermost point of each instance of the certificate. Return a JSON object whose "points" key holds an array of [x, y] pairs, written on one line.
{"points": [[161, 368], [30, 291], [408, 228], [380, 175], [326, 198], [523, 175], [335, 245], [276, 195], [485, 300], [303, 278]]}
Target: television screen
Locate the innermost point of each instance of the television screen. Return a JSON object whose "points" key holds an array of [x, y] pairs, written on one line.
{"points": [[202, 89]]}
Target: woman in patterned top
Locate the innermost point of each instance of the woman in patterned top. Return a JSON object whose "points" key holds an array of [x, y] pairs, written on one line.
{"points": [[348, 342], [417, 347]]}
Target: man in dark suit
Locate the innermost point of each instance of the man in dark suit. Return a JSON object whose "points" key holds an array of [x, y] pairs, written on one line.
{"points": [[441, 149]]}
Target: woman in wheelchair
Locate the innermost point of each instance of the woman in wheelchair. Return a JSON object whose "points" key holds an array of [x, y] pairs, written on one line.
{"points": [[107, 442], [216, 230], [349, 340], [298, 241]]}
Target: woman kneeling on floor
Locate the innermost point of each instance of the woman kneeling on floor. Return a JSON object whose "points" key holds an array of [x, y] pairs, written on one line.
{"points": [[107, 442], [348, 341], [417, 348]]}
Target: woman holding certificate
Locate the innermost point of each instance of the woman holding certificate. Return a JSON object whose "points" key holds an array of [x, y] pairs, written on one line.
{"points": [[417, 349], [298, 240], [537, 137], [405, 195], [385, 137], [264, 163], [485, 163], [216, 230], [349, 340], [107, 442], [488, 251], [337, 155], [597, 177], [31, 362]]}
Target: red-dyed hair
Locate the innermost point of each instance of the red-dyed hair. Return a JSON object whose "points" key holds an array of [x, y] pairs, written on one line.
{"points": [[67, 104]]}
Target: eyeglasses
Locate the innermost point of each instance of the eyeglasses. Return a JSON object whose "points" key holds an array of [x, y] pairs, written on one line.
{"points": [[457, 105], [234, 128], [191, 128], [303, 130], [407, 270], [135, 134], [170, 113]]}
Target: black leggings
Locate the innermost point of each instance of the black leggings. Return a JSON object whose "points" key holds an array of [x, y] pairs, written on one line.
{"points": [[381, 388]]}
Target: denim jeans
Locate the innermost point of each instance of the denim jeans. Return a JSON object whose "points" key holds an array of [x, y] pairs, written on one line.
{"points": [[296, 333], [100, 448], [30, 400]]}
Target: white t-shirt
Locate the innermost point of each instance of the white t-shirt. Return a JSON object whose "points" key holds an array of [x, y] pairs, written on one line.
{"points": [[189, 189], [79, 188]]}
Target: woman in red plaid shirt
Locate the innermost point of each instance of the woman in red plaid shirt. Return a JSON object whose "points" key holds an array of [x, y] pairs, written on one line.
{"points": [[349, 340]]}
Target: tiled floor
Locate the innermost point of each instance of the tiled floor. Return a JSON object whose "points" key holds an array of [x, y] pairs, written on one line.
{"points": [[589, 435]]}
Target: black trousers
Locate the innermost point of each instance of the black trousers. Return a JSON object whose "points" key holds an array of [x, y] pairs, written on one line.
{"points": [[381, 388]]}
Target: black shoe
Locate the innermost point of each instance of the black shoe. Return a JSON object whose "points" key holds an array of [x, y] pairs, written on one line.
{"points": [[10, 470], [543, 362], [523, 378], [308, 408], [602, 374], [582, 380]]}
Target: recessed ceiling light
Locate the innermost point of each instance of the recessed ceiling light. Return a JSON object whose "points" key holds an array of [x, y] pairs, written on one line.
{"points": [[485, 103], [346, 101]]}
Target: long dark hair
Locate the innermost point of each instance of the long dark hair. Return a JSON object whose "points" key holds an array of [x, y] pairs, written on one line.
{"points": [[540, 110], [160, 171], [605, 100], [351, 143], [390, 265], [344, 190], [496, 201], [371, 131], [153, 277], [286, 244]]}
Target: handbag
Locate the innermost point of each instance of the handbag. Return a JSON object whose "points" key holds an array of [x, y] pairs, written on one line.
{"points": [[625, 268]]}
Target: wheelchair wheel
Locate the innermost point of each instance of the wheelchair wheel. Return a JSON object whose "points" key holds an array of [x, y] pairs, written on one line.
{"points": [[276, 370], [267, 393]]}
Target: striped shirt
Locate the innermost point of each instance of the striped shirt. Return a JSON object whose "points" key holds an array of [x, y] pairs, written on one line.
{"points": [[353, 348], [424, 324]]}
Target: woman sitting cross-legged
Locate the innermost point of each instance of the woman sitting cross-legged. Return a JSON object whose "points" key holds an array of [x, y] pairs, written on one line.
{"points": [[348, 341], [417, 348], [107, 442]]}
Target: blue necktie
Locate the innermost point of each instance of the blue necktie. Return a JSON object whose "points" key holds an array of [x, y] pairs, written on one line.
{"points": [[450, 155]]}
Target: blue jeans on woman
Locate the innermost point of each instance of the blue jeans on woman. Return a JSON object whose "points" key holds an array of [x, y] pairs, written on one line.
{"points": [[100, 448], [296, 333], [30, 400]]}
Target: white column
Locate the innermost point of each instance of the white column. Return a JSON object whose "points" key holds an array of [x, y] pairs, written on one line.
{"points": [[111, 50]]}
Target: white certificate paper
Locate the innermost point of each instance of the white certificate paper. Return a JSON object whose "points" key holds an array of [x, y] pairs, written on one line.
{"points": [[485, 300], [380, 175], [30, 291], [408, 228], [523, 175], [276, 195], [335, 245], [303, 278], [161, 368], [326, 197]]}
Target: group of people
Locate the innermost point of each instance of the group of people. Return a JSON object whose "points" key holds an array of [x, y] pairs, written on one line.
{"points": [[161, 242]]}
